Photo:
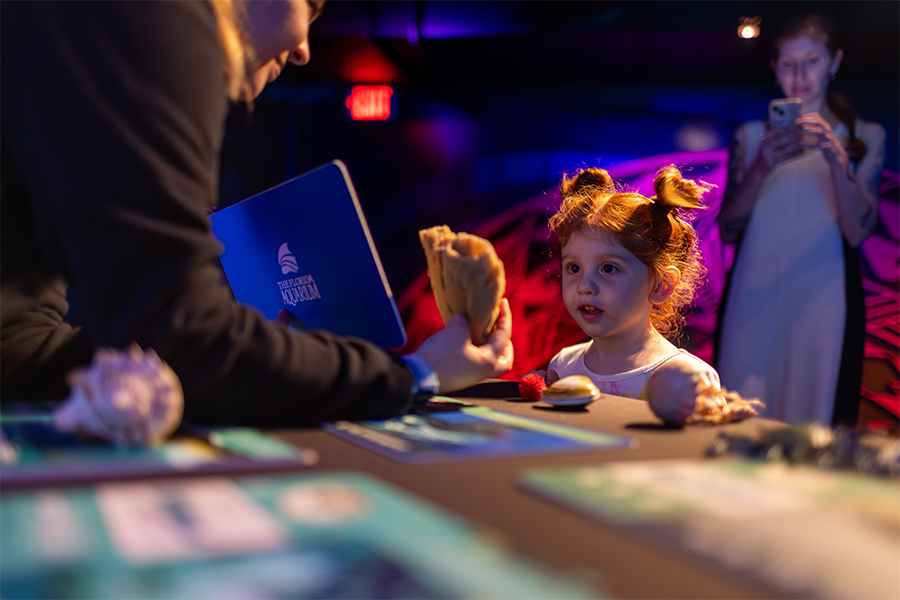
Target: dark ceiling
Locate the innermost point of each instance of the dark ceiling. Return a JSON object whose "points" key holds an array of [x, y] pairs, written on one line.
{"points": [[550, 41]]}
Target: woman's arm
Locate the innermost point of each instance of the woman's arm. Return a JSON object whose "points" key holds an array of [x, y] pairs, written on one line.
{"points": [[868, 173], [856, 193], [743, 186], [736, 206], [115, 113]]}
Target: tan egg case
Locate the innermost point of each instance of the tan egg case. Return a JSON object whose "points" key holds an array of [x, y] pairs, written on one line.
{"points": [[466, 276]]}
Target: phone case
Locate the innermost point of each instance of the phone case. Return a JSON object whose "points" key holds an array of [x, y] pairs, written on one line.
{"points": [[783, 111]]}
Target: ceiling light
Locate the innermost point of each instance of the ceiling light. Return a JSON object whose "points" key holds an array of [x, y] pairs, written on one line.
{"points": [[748, 27]]}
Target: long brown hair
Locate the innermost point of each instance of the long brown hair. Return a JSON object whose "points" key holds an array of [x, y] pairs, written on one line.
{"points": [[236, 49], [821, 28], [650, 228]]}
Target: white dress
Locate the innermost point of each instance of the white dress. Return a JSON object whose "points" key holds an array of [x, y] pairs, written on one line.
{"points": [[783, 323]]}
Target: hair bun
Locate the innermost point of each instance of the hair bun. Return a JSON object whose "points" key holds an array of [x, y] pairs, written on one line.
{"points": [[674, 191], [586, 180]]}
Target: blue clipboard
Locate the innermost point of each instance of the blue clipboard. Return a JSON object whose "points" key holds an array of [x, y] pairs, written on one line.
{"points": [[304, 246]]}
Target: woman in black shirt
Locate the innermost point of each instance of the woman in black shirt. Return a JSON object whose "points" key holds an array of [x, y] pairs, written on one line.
{"points": [[112, 121]]}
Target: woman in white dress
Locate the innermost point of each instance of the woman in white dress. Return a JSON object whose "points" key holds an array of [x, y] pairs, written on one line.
{"points": [[799, 200]]}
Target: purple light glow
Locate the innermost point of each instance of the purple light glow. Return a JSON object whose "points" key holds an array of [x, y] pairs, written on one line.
{"points": [[447, 20]]}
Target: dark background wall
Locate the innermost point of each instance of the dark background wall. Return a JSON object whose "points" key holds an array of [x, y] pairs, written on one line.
{"points": [[494, 100]]}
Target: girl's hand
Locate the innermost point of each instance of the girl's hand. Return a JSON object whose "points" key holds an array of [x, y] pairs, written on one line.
{"points": [[780, 144], [548, 376], [817, 133]]}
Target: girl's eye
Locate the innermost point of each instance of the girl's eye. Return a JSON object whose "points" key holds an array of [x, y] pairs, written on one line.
{"points": [[608, 269], [573, 268], [785, 65]]}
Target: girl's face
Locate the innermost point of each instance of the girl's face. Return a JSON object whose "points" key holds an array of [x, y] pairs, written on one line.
{"points": [[278, 32], [804, 68], [605, 287]]}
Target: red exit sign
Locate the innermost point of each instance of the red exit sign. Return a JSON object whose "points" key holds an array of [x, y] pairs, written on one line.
{"points": [[369, 102]]}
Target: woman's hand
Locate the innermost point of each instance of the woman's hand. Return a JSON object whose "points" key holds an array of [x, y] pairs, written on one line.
{"points": [[780, 144], [458, 362], [817, 133], [283, 319], [856, 201]]}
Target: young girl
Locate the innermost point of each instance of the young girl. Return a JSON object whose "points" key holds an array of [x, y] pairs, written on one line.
{"points": [[629, 265]]}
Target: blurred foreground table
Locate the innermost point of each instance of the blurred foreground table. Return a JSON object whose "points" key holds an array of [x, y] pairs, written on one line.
{"points": [[486, 491]]}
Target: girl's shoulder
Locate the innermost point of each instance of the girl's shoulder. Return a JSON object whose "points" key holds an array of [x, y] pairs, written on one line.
{"points": [[684, 357], [569, 355], [694, 364]]}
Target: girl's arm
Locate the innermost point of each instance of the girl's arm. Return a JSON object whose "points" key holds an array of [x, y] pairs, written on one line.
{"points": [[743, 186], [856, 193]]}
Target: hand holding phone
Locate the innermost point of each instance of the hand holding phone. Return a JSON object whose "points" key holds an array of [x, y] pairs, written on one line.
{"points": [[783, 111], [782, 140]]}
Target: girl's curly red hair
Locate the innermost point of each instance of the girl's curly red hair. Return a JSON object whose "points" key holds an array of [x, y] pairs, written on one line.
{"points": [[652, 229]]}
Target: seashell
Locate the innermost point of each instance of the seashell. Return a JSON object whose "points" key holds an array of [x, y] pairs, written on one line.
{"points": [[128, 397], [672, 392], [574, 390], [680, 396]]}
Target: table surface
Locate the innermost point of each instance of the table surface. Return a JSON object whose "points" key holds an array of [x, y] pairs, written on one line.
{"points": [[485, 492]]}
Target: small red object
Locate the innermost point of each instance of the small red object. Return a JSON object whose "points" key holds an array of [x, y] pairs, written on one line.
{"points": [[531, 386]]}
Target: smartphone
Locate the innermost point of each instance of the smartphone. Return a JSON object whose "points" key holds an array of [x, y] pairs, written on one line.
{"points": [[783, 111]]}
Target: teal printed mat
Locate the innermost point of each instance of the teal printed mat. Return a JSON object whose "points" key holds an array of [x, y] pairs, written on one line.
{"points": [[803, 532], [33, 452], [462, 432], [324, 535]]}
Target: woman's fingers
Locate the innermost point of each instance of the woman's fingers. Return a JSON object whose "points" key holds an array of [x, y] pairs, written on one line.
{"points": [[781, 144], [283, 319], [458, 362], [500, 337]]}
